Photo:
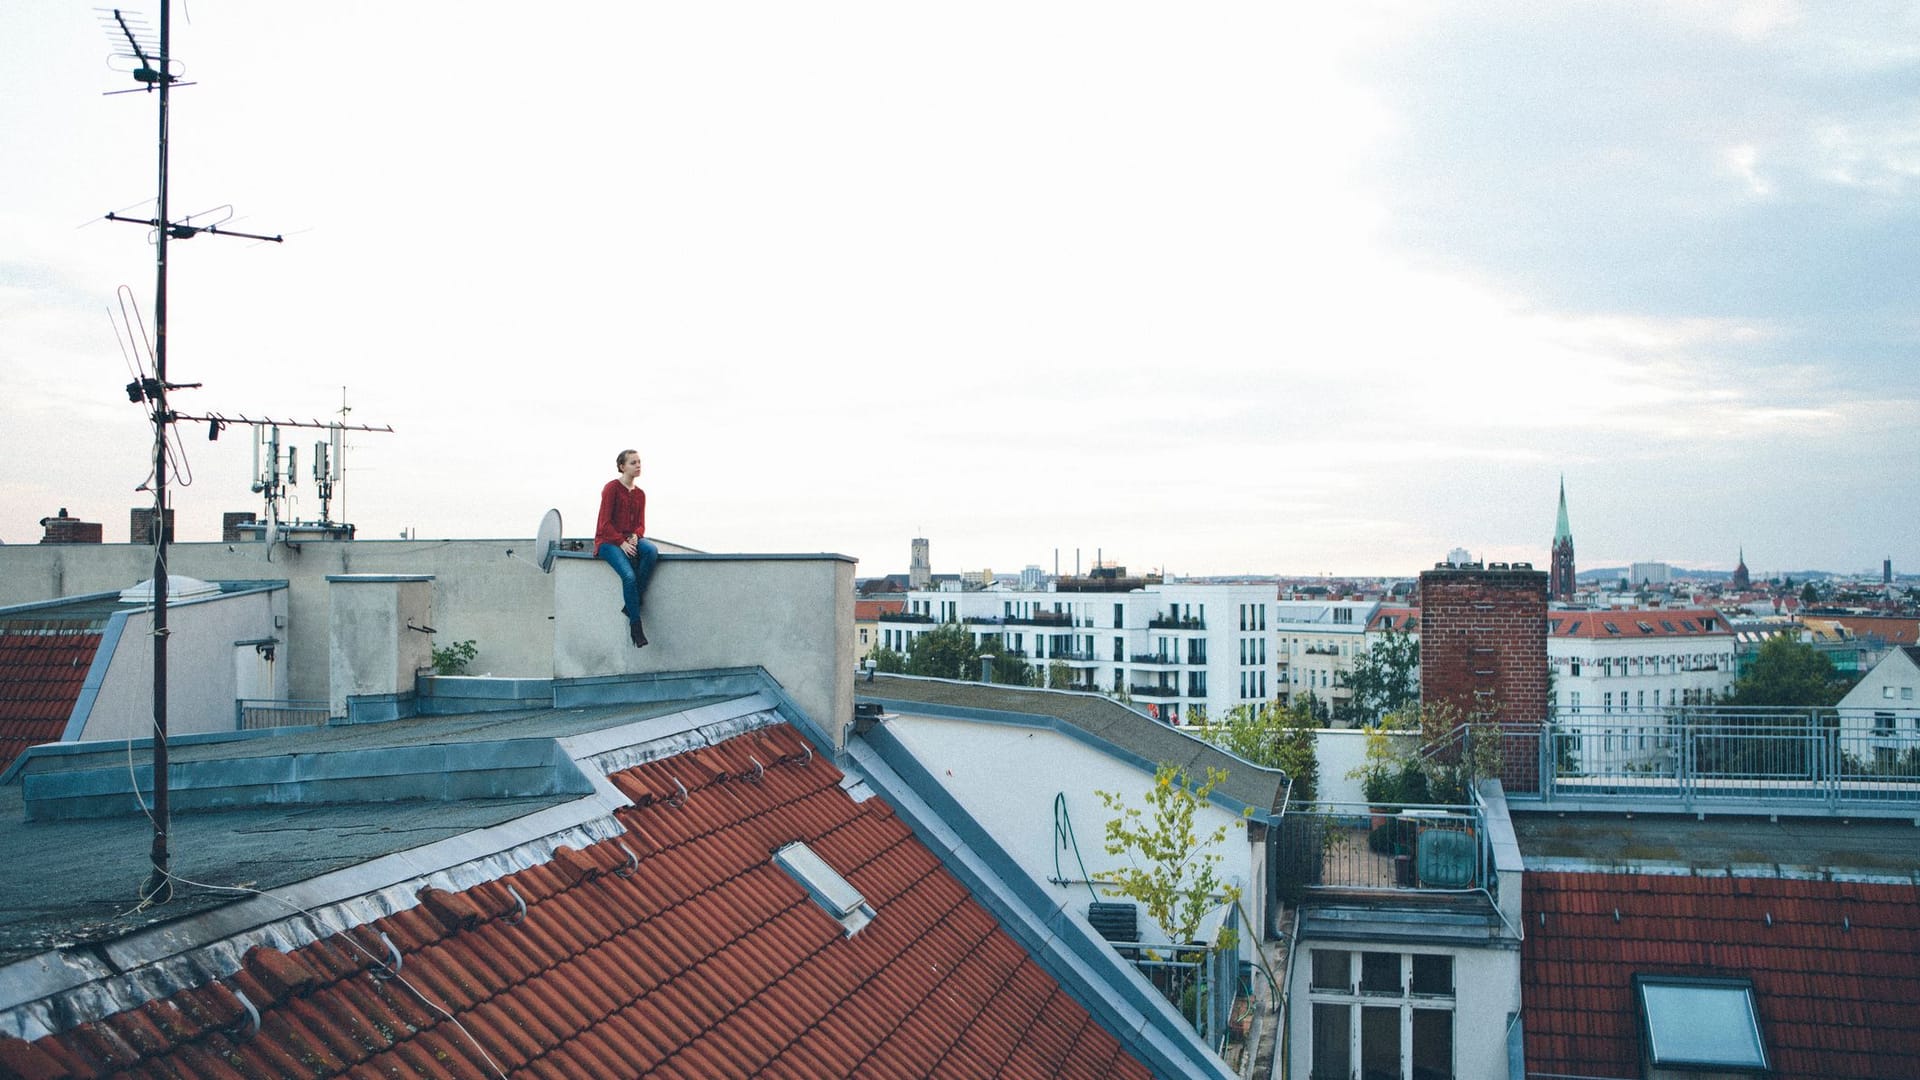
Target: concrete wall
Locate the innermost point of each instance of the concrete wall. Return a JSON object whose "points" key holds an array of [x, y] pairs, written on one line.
{"points": [[376, 638], [1486, 986], [789, 614], [1007, 776], [501, 602], [202, 676]]}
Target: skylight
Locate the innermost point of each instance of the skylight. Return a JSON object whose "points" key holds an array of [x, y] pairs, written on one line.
{"points": [[1611, 629], [1697, 1022], [835, 894]]}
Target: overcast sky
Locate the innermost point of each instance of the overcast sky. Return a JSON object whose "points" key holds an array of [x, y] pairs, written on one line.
{"points": [[1213, 288]]}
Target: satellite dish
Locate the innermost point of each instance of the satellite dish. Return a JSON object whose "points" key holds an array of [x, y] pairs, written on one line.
{"points": [[546, 541]]}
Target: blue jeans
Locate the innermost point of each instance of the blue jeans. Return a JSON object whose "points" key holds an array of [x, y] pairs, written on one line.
{"points": [[635, 571]]}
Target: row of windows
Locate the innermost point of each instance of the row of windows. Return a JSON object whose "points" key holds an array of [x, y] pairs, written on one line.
{"points": [[1646, 699], [1253, 685], [1253, 616], [1611, 666], [1253, 651]]}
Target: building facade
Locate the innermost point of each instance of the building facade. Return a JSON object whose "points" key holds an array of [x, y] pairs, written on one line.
{"points": [[1638, 660], [1180, 651]]}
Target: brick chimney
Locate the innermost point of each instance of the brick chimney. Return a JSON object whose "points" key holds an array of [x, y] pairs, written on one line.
{"points": [[64, 528]]}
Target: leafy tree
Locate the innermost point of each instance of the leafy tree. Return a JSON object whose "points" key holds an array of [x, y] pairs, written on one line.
{"points": [[945, 652], [1384, 679], [1171, 868], [888, 662], [1809, 595], [1791, 673], [1279, 737]]}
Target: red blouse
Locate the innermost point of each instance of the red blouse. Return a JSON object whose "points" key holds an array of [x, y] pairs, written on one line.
{"points": [[623, 513]]}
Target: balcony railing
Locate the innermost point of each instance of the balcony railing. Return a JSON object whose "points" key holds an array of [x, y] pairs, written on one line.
{"points": [[1152, 658], [1168, 622], [250, 714], [1396, 848], [1199, 981], [905, 616], [1154, 691], [1691, 758], [1040, 618]]}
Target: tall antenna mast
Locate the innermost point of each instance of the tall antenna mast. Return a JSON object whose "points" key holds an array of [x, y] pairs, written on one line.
{"points": [[155, 71]]}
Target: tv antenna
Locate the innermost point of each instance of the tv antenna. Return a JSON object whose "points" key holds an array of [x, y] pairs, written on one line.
{"points": [[148, 58]]}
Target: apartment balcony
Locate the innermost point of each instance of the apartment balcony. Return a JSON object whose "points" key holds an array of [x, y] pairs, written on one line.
{"points": [[904, 617], [1157, 693], [1342, 847], [1040, 618], [1167, 622], [1076, 657], [1152, 660]]}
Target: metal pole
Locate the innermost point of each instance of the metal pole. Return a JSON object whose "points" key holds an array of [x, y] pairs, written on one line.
{"points": [[158, 888]]}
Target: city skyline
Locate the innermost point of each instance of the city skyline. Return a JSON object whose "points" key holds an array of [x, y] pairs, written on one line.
{"points": [[1234, 291]]}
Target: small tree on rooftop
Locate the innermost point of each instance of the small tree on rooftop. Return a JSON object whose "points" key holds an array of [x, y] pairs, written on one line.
{"points": [[1172, 867]]}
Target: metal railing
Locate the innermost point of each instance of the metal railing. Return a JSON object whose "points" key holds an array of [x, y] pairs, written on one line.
{"points": [[1400, 847], [1200, 981], [1829, 758], [252, 714]]}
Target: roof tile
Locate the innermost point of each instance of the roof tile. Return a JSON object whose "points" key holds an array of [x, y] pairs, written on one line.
{"points": [[703, 960]]}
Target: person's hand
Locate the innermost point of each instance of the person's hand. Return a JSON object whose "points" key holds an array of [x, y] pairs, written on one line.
{"points": [[630, 546]]}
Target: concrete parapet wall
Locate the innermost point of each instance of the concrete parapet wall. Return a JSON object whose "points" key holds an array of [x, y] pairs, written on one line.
{"points": [[789, 614]]}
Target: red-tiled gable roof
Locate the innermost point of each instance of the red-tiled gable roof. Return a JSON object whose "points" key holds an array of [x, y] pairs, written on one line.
{"points": [[41, 674], [1638, 623], [1402, 619], [704, 960], [1834, 973], [868, 610], [1892, 630]]}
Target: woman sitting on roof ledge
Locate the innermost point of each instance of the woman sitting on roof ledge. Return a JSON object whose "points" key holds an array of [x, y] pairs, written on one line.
{"points": [[619, 537]]}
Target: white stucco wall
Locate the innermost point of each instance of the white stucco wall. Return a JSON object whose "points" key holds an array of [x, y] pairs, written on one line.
{"points": [[501, 602], [790, 614], [1007, 778], [201, 673], [374, 645], [1486, 993]]}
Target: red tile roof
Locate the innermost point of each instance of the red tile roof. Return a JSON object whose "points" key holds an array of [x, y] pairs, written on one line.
{"points": [[1638, 623], [41, 674], [703, 960], [869, 610], [1834, 974]]}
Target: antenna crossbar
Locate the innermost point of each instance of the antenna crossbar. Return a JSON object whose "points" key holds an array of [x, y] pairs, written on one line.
{"points": [[266, 421], [183, 231]]}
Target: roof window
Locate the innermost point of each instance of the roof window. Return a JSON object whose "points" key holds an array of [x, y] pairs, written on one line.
{"points": [[1645, 628], [1668, 627], [832, 892], [1699, 1023], [1575, 628], [1610, 628]]}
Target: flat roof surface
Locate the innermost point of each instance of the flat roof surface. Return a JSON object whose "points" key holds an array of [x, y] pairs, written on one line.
{"points": [[1866, 848], [77, 881]]}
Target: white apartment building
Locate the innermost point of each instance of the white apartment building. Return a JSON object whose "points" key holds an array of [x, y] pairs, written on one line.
{"points": [[1637, 660], [1173, 648], [1318, 642]]}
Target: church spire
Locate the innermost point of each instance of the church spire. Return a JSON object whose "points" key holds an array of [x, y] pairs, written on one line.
{"points": [[1560, 572]]}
